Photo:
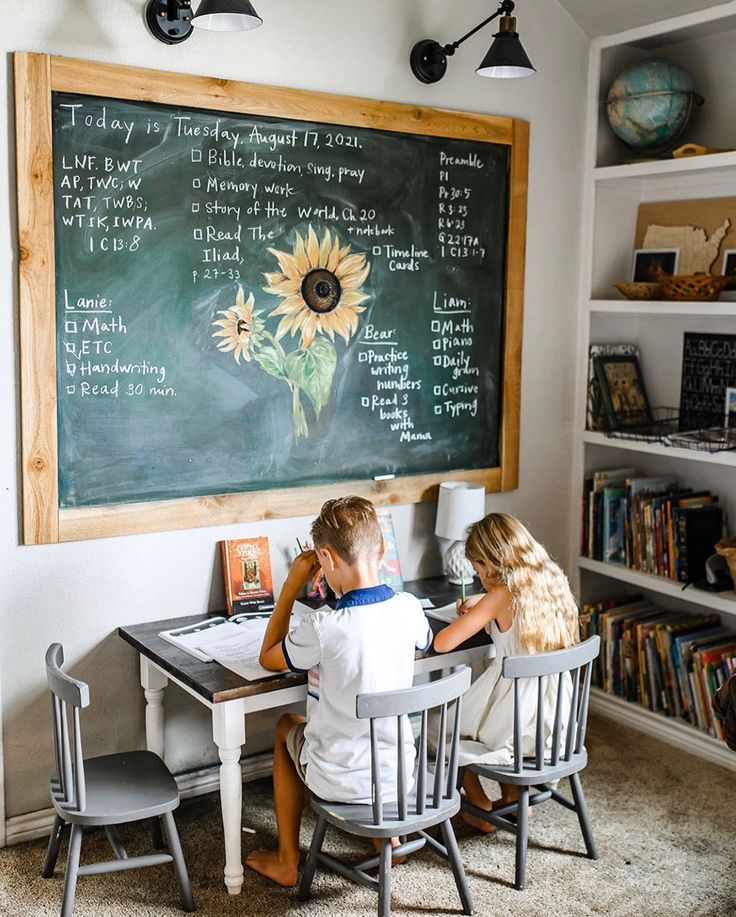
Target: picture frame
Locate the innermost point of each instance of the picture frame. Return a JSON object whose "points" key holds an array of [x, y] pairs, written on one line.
{"points": [[648, 262], [728, 267], [730, 407], [623, 396]]}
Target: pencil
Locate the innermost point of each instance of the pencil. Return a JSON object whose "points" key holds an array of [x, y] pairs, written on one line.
{"points": [[462, 588], [299, 545]]}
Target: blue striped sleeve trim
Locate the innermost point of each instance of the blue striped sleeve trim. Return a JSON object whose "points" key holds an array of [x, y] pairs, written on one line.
{"points": [[430, 637], [288, 660], [312, 694]]}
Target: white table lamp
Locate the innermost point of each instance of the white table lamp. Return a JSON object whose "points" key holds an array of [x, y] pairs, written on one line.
{"points": [[460, 504]]}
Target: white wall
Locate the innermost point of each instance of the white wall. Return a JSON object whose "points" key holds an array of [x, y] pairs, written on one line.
{"points": [[79, 593]]}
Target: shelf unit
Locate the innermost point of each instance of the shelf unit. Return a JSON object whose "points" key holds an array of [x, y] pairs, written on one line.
{"points": [[613, 189]]}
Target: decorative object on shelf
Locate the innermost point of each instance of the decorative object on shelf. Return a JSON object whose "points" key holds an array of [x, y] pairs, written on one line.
{"points": [[692, 287], [460, 504], [650, 263], [593, 419], [717, 576], [640, 290], [728, 269], [172, 21], [730, 407], [699, 228], [649, 105], [624, 399], [695, 149], [708, 369], [726, 548], [505, 59]]}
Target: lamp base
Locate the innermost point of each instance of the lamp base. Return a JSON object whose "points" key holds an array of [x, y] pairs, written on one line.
{"points": [[458, 569], [428, 61]]}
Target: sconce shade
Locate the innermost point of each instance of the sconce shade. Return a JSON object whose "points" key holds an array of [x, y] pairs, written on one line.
{"points": [[506, 58], [460, 504], [226, 16]]}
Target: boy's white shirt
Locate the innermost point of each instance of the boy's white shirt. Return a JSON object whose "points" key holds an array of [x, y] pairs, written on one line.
{"points": [[365, 645]]}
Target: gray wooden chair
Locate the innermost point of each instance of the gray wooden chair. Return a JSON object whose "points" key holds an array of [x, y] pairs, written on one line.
{"points": [[108, 791], [433, 800], [548, 764]]}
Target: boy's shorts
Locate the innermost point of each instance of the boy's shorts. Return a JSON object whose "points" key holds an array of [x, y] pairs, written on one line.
{"points": [[294, 745]]}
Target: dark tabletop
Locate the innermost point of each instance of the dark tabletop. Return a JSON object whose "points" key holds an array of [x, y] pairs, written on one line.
{"points": [[216, 684]]}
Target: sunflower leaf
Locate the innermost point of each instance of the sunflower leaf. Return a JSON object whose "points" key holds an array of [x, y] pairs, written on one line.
{"points": [[313, 369], [271, 361]]}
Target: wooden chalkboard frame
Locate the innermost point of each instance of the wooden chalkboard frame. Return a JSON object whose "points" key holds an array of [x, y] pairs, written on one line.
{"points": [[36, 77]]}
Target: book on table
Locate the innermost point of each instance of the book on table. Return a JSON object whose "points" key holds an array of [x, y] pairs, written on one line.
{"points": [[246, 572]]}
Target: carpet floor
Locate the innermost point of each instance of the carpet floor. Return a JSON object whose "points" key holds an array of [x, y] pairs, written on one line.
{"points": [[664, 822]]}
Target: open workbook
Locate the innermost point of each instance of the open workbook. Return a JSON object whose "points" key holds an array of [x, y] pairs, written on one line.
{"points": [[233, 642]]}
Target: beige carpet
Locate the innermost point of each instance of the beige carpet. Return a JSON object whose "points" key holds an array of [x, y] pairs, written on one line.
{"points": [[665, 824]]}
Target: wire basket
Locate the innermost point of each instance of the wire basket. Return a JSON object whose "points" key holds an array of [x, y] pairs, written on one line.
{"points": [[705, 431]]}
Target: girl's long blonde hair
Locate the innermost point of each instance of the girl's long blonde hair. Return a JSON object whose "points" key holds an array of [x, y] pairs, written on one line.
{"points": [[545, 611]]}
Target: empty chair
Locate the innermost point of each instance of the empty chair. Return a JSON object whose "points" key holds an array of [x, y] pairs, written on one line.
{"points": [[555, 757], [109, 790], [433, 800]]}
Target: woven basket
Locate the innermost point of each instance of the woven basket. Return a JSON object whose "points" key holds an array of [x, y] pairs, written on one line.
{"points": [[726, 547], [698, 287], [640, 290]]}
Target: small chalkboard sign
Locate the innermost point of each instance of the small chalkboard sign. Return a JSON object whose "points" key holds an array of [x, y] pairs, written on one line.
{"points": [[708, 369]]}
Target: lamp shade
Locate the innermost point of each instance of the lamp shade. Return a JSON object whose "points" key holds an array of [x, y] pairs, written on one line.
{"points": [[460, 504], [506, 58], [226, 16]]}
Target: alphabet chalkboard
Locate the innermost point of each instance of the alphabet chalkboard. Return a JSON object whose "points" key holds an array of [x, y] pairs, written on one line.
{"points": [[257, 303]]}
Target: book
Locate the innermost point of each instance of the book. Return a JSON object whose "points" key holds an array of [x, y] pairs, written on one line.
{"points": [[246, 570]]}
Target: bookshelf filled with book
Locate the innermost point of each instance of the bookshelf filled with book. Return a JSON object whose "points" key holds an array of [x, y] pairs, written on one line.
{"points": [[701, 493]]}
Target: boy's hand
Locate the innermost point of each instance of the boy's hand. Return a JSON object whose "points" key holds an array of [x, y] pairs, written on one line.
{"points": [[464, 607], [304, 568]]}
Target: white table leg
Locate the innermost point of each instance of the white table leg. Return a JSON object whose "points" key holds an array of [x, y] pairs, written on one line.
{"points": [[228, 731], [154, 682]]}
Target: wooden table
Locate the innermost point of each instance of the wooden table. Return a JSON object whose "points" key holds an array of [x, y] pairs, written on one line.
{"points": [[230, 698]]}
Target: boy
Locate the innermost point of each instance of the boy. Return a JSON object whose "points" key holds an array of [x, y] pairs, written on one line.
{"points": [[366, 644]]}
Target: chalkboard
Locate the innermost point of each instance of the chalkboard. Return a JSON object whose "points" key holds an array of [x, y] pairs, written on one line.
{"points": [[250, 302], [708, 369]]}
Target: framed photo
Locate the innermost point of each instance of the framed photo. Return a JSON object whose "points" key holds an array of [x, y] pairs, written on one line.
{"points": [[624, 399], [650, 262], [729, 267], [730, 407]]}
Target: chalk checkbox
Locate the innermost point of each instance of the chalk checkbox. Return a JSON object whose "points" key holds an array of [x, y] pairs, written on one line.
{"points": [[196, 183], [71, 389], [435, 326], [195, 207], [197, 234], [437, 390], [437, 361], [436, 343], [70, 326], [438, 409], [196, 155]]}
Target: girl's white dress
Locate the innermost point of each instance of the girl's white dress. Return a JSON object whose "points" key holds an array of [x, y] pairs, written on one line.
{"points": [[487, 718]]}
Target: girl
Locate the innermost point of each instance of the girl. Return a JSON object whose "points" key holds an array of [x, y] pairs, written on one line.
{"points": [[527, 608]]}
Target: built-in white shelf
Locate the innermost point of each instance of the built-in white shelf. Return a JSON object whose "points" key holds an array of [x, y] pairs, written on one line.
{"points": [[727, 457], [724, 602], [719, 308], [664, 169], [666, 728]]}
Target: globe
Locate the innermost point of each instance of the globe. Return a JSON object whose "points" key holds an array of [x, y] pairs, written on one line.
{"points": [[650, 104]]}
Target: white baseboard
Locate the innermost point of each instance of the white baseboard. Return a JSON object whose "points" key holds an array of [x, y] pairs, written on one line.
{"points": [[33, 825]]}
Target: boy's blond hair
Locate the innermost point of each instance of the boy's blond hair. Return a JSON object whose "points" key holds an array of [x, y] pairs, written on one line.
{"points": [[545, 611], [350, 526]]}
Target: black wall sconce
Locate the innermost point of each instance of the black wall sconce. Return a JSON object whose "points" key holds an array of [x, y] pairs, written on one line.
{"points": [[505, 59], [172, 21]]}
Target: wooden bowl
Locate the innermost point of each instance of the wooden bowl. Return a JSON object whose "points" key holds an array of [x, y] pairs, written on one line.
{"points": [[640, 290], [697, 287]]}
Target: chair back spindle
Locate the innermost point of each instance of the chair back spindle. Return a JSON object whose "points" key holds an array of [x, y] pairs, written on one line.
{"points": [[419, 699]]}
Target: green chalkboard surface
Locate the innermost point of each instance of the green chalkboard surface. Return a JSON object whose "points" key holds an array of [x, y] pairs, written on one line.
{"points": [[247, 303]]}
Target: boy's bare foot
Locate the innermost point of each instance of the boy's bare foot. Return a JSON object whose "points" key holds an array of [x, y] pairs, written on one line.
{"points": [[478, 823], [396, 861], [268, 864]]}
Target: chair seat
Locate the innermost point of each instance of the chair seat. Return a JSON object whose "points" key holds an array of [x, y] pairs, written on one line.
{"points": [[358, 819], [505, 773], [122, 788]]}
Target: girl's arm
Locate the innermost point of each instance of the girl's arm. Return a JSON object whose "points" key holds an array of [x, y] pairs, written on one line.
{"points": [[494, 605]]}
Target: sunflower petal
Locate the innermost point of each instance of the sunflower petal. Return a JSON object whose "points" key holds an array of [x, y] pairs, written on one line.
{"points": [[355, 279], [353, 298], [349, 265], [290, 306], [239, 299], [312, 248], [324, 249], [286, 324], [334, 258], [309, 328], [300, 254], [287, 263], [284, 287]]}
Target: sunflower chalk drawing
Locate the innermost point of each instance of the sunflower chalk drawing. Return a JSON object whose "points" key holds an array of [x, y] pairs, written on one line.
{"points": [[320, 285]]}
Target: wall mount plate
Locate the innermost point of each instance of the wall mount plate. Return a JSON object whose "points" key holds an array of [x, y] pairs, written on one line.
{"points": [[428, 61], [171, 31]]}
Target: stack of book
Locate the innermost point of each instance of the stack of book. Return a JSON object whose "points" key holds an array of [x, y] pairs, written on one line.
{"points": [[652, 524], [670, 662]]}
